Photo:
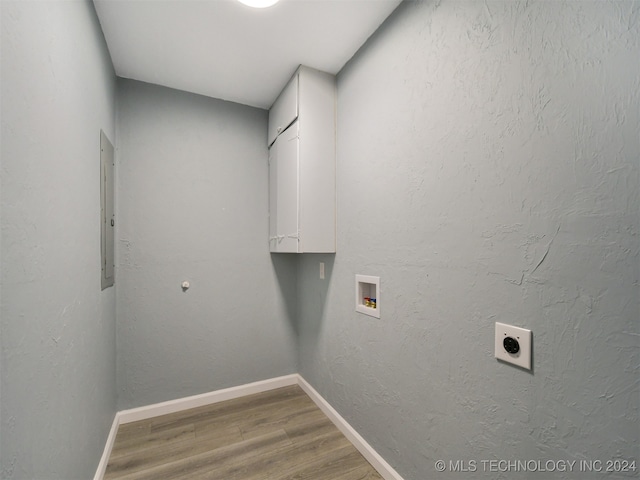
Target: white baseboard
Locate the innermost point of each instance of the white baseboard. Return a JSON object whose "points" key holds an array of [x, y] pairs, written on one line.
{"points": [[102, 466], [172, 406], [367, 451]]}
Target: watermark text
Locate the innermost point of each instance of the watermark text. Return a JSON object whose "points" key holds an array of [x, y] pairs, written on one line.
{"points": [[460, 466]]}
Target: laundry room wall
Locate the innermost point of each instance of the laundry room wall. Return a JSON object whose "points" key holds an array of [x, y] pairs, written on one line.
{"points": [[57, 361], [193, 206], [487, 172]]}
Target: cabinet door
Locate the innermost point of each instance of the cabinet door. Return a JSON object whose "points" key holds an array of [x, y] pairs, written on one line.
{"points": [[283, 196], [287, 191], [284, 111]]}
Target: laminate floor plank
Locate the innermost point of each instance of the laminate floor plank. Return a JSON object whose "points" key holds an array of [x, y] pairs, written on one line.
{"points": [[134, 430], [307, 457], [339, 462], [276, 435], [195, 466], [244, 406], [164, 437], [272, 464], [364, 472], [258, 463], [291, 419], [139, 460], [257, 418]]}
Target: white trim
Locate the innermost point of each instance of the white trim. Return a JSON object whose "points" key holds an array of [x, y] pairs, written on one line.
{"points": [[367, 451], [102, 466], [172, 406]]}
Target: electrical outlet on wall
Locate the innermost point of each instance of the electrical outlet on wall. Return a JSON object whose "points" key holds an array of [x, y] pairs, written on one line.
{"points": [[513, 345]]}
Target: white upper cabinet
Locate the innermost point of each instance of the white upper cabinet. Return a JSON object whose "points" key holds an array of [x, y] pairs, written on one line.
{"points": [[302, 165]]}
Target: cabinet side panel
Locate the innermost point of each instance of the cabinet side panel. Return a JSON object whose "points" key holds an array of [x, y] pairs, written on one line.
{"points": [[317, 114], [273, 197]]}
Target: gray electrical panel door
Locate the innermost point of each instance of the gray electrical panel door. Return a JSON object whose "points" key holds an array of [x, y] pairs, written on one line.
{"points": [[107, 225]]}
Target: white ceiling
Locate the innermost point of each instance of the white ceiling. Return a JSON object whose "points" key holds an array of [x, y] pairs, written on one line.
{"points": [[224, 49]]}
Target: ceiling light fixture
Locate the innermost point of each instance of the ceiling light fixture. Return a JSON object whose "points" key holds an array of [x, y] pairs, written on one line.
{"points": [[259, 3]]}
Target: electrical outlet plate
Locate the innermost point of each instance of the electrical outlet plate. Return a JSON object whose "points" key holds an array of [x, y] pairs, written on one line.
{"points": [[523, 357]]}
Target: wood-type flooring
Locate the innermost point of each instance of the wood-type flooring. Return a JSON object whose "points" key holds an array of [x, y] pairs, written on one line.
{"points": [[276, 435]]}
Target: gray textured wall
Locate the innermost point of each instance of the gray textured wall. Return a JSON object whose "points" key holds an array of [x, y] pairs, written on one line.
{"points": [[58, 329], [193, 205], [487, 171]]}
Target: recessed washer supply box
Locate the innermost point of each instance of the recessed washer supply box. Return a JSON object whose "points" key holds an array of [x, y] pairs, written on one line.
{"points": [[368, 287]]}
